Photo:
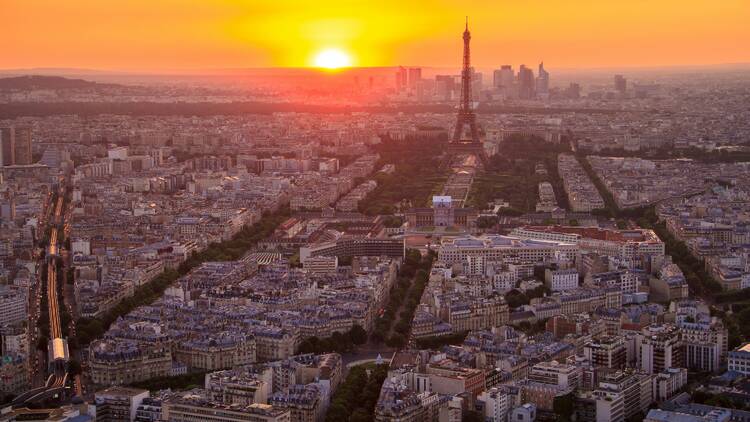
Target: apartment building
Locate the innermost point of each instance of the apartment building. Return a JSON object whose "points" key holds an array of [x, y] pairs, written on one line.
{"points": [[194, 408], [121, 362]]}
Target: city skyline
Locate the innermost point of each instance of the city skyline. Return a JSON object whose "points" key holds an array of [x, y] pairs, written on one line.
{"points": [[236, 218], [167, 36]]}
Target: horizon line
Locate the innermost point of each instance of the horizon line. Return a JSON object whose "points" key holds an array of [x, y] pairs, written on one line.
{"points": [[203, 71]]}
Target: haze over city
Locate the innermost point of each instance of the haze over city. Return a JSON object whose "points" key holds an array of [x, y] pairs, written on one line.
{"points": [[347, 211]]}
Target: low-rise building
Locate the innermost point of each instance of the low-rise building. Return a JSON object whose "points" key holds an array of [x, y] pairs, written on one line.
{"points": [[118, 404], [739, 359]]}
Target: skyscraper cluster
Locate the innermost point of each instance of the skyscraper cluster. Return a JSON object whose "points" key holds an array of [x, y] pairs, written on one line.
{"points": [[524, 85], [408, 78], [15, 146]]}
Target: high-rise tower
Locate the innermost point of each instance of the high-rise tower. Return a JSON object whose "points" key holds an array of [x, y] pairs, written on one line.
{"points": [[7, 146], [466, 117]]}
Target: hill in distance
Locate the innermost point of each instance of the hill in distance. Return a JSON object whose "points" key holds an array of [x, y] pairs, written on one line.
{"points": [[30, 82]]}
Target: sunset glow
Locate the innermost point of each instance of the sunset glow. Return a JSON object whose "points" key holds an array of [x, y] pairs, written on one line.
{"points": [[203, 34], [332, 59]]}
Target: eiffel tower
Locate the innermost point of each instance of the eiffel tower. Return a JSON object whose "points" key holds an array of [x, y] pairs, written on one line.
{"points": [[466, 117]]}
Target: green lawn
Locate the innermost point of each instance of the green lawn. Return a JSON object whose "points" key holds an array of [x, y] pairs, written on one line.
{"points": [[510, 175], [420, 173]]}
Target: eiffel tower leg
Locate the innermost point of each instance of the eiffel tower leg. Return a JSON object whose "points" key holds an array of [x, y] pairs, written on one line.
{"points": [[474, 132], [458, 130]]}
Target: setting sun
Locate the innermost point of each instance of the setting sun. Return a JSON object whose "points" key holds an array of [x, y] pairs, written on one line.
{"points": [[332, 59]]}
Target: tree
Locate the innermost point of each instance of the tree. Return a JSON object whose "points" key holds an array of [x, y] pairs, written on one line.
{"points": [[720, 401], [402, 327], [358, 334], [509, 212], [356, 397], [537, 292], [436, 342], [377, 336], [700, 396], [360, 415], [472, 416], [337, 412], [744, 317], [563, 406], [392, 221], [515, 299], [309, 345], [74, 367], [42, 344], [396, 340], [637, 417], [486, 222]]}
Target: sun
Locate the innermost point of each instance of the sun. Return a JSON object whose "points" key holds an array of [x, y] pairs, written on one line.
{"points": [[332, 58]]}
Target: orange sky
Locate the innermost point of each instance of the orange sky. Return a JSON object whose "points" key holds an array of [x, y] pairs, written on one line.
{"points": [[199, 34]]}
